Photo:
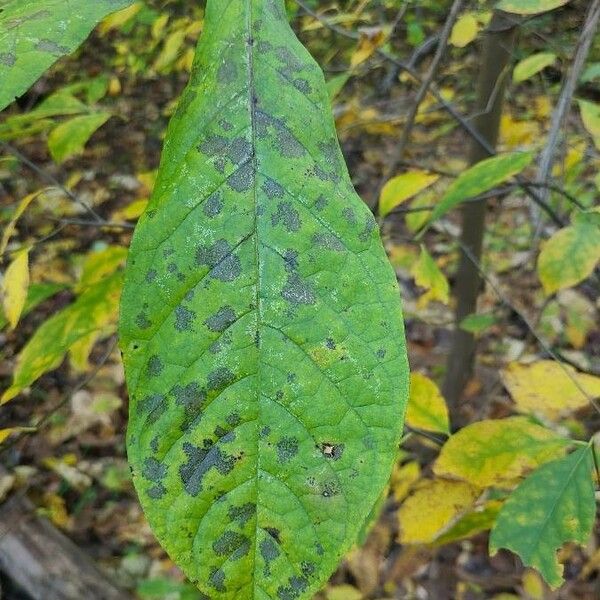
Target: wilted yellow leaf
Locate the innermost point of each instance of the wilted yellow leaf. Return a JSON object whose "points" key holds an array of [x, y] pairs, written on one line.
{"points": [[11, 227], [403, 478], [15, 286], [549, 389], [6, 433], [370, 40], [516, 134], [426, 407], [465, 30], [533, 585], [399, 189], [433, 508], [343, 592], [119, 18], [497, 451], [590, 115], [429, 276]]}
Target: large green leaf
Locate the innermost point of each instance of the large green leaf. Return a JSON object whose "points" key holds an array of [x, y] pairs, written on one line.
{"points": [[529, 7], [554, 505], [260, 325], [35, 33]]}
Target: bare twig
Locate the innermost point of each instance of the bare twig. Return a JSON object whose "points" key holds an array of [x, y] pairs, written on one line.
{"points": [[425, 85], [559, 115]]}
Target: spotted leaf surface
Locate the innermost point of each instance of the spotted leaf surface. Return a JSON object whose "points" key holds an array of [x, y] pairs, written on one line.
{"points": [[35, 33], [260, 325]]}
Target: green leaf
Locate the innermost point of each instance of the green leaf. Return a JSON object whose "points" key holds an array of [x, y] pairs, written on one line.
{"points": [[475, 323], [490, 452], [554, 505], [569, 256], [261, 325], [529, 7], [70, 137], [94, 310], [35, 33], [532, 65], [590, 115], [429, 276], [480, 178]]}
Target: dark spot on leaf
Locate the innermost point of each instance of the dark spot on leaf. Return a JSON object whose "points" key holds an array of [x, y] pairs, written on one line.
{"points": [[213, 205], [224, 264], [7, 59], [155, 366], [269, 551], [349, 215], [220, 378], [154, 470], [232, 544], [242, 179], [329, 241], [142, 321], [51, 47], [330, 343], [272, 189], [154, 405], [296, 586], [242, 514], [274, 533], [200, 461], [321, 203], [287, 448], [302, 85], [332, 451], [291, 260], [370, 226], [307, 568], [184, 317], [381, 353], [239, 150], [330, 489], [213, 145], [225, 125], [217, 580], [263, 47], [151, 275], [221, 320], [265, 431], [288, 216], [227, 73], [156, 492], [286, 142], [319, 549], [192, 398], [297, 291]]}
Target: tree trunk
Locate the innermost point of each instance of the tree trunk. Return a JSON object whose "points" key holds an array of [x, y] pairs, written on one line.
{"points": [[494, 75]]}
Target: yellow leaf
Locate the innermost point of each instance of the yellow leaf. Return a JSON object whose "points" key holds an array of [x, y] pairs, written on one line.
{"points": [[549, 389], [533, 585], [370, 40], [516, 134], [569, 256], [343, 592], [433, 508], [399, 189], [403, 478], [533, 64], [170, 50], [119, 18], [465, 30], [132, 211], [590, 115], [12, 225], [6, 433], [426, 407], [15, 286], [498, 451], [429, 276]]}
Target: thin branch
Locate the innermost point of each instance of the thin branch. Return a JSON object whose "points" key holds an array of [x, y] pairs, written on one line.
{"points": [[565, 99], [425, 85]]}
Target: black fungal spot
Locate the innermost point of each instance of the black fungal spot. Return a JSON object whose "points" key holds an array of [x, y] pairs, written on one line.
{"points": [[184, 317], [242, 179], [227, 73], [287, 448], [270, 552], [154, 444], [217, 580], [265, 431], [220, 378], [296, 586], [154, 406], [213, 145], [292, 377], [232, 544], [272, 189], [225, 125], [221, 320], [200, 461], [8, 59], [286, 56], [332, 451], [302, 85], [349, 215], [291, 260], [154, 470], [142, 321], [288, 216], [233, 419], [330, 489], [274, 533], [192, 398], [319, 549], [321, 203], [213, 205], [298, 291], [51, 47], [151, 275], [381, 353], [370, 226], [307, 568], [286, 142], [239, 150], [156, 492], [263, 47], [330, 343], [242, 514], [155, 366], [329, 241], [225, 265]]}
